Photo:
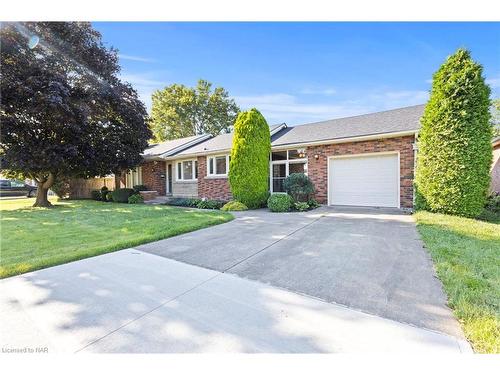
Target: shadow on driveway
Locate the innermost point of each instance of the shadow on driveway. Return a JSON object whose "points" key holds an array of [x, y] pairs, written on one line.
{"points": [[368, 259]]}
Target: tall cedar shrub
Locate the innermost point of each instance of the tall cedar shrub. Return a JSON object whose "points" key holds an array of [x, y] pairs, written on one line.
{"points": [[249, 166], [454, 147]]}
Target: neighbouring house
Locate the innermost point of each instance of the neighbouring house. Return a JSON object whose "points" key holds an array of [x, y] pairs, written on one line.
{"points": [[495, 168], [366, 160]]}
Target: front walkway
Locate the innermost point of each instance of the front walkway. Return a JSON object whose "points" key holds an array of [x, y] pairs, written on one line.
{"points": [[131, 301]]}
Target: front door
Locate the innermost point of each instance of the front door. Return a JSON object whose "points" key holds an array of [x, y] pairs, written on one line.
{"points": [[169, 178]]}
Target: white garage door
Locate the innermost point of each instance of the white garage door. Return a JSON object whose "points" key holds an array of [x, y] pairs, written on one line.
{"points": [[371, 180]]}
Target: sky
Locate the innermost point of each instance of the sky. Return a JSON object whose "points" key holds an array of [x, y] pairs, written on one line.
{"points": [[301, 72]]}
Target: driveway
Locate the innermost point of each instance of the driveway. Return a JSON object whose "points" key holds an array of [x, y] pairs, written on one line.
{"points": [[132, 301], [371, 260]]}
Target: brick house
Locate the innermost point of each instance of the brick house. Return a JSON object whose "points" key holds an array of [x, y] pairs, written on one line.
{"points": [[365, 160]]}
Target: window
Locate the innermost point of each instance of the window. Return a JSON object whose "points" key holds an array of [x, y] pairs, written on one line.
{"points": [[283, 163], [218, 166], [133, 177], [16, 183], [187, 170]]}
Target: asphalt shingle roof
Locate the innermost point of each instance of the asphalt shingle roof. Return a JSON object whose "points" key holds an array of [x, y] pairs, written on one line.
{"points": [[392, 121], [221, 142], [164, 147], [396, 120]]}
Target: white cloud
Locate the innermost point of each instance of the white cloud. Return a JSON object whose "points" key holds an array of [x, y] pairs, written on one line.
{"points": [[400, 98], [287, 108], [494, 83], [137, 58], [328, 91], [281, 107], [145, 84]]}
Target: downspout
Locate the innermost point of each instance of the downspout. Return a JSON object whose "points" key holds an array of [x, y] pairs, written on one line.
{"points": [[415, 152]]}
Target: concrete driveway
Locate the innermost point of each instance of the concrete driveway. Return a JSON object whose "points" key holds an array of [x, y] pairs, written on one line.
{"points": [[131, 301], [371, 260]]}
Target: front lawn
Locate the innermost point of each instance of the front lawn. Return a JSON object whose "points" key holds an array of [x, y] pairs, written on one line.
{"points": [[466, 254], [34, 238]]}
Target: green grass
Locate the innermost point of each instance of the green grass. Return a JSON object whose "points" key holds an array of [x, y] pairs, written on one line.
{"points": [[466, 254], [34, 238]]}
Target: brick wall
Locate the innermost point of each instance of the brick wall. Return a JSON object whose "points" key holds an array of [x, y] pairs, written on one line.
{"points": [[211, 188], [317, 169], [152, 173]]}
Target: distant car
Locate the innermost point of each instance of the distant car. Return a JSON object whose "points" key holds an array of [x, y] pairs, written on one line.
{"points": [[16, 188]]}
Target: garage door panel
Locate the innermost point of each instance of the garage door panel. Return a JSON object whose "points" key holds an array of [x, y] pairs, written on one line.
{"points": [[365, 181]]}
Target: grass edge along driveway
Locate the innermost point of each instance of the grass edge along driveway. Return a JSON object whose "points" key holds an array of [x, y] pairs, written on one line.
{"points": [[466, 255], [35, 238]]}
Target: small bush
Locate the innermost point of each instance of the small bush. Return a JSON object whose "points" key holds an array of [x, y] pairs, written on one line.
{"points": [[193, 202], [279, 202], [136, 198], [234, 206], [96, 195], [184, 202], [104, 193], [210, 204], [301, 206], [122, 195], [109, 196], [299, 187], [138, 188], [313, 203]]}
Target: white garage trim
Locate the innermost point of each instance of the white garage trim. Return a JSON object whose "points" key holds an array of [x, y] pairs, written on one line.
{"points": [[367, 154]]}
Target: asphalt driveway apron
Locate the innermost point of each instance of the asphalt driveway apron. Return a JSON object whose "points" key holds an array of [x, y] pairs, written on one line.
{"points": [[371, 260]]}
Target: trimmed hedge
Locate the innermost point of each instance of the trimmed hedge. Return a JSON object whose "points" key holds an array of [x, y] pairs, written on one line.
{"points": [[249, 165], [279, 202], [234, 206], [299, 186], [184, 202], [454, 146], [122, 195], [210, 204]]}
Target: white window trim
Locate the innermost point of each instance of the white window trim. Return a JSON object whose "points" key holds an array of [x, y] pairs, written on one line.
{"points": [[193, 170], [215, 175], [287, 163]]}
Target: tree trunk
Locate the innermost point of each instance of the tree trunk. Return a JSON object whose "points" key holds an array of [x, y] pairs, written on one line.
{"points": [[117, 180], [42, 190], [41, 197]]}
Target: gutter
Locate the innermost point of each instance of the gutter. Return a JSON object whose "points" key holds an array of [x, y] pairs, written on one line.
{"points": [[305, 144], [348, 139]]}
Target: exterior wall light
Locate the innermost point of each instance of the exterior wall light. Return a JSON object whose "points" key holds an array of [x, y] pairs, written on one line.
{"points": [[316, 156]]}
